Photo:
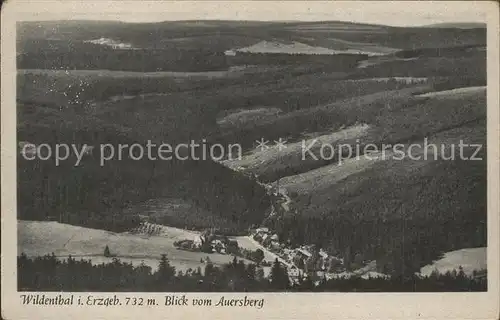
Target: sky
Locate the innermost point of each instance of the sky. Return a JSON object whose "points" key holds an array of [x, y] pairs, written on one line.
{"points": [[395, 13]]}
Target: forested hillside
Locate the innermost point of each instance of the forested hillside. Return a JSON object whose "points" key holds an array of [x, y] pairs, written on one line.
{"points": [[98, 83]]}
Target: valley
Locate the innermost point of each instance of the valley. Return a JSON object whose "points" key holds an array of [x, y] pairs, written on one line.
{"points": [[312, 84]]}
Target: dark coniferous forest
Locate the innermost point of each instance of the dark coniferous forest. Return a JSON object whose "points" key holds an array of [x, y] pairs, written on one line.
{"points": [[47, 273]]}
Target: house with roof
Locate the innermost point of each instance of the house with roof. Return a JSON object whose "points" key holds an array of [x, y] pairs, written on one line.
{"points": [[293, 271], [323, 254], [274, 246], [303, 253], [265, 238], [262, 230], [218, 246]]}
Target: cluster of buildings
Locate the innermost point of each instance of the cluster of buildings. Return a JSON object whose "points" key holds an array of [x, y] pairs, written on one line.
{"points": [[300, 261], [211, 243], [267, 239]]}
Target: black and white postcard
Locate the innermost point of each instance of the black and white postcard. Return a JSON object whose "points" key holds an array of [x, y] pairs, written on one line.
{"points": [[258, 159]]}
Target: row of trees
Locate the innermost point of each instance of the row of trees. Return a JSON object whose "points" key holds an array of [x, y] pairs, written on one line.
{"points": [[50, 54], [337, 62], [47, 273]]}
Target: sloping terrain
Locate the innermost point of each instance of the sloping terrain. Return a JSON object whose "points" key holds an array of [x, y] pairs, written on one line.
{"points": [[230, 34], [385, 194], [203, 45], [39, 238], [172, 82], [296, 48]]}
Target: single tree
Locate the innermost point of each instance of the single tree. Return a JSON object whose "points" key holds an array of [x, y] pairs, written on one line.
{"points": [[165, 271], [107, 253], [279, 276], [258, 256]]}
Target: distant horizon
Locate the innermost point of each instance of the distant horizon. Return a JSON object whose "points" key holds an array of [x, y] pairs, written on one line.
{"points": [[263, 21], [387, 13]]}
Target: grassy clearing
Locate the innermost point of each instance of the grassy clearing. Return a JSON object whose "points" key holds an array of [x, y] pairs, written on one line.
{"points": [[272, 163], [388, 120], [357, 114], [470, 259], [360, 106], [296, 47], [383, 164], [39, 238], [455, 94], [243, 117]]}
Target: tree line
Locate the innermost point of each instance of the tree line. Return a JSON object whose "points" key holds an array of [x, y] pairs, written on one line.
{"points": [[62, 55], [47, 273]]}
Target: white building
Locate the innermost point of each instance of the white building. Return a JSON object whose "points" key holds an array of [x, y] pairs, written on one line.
{"points": [[262, 230], [304, 252]]}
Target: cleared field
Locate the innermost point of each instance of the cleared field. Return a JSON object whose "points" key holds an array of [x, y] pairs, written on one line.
{"points": [[246, 116], [37, 238], [324, 39], [405, 80], [458, 93], [111, 43], [393, 163], [389, 117], [329, 175], [298, 48], [268, 161], [446, 144], [470, 259]]}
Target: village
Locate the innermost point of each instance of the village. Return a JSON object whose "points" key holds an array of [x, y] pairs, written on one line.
{"points": [[301, 262], [305, 261]]}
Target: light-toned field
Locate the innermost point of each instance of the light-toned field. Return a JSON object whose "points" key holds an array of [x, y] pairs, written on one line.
{"points": [[387, 160], [327, 176], [300, 48], [470, 259], [37, 238], [456, 93], [261, 161], [405, 80], [383, 118], [111, 43], [246, 116]]}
